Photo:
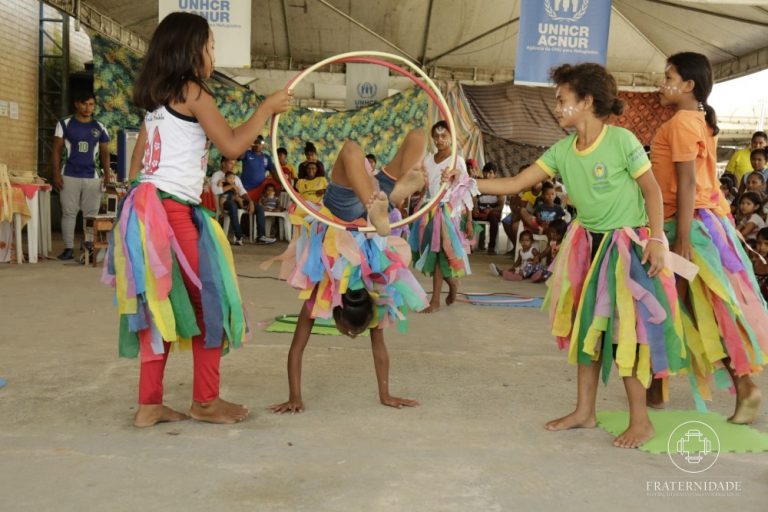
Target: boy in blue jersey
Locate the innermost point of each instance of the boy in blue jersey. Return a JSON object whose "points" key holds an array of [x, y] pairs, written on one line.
{"points": [[77, 180]]}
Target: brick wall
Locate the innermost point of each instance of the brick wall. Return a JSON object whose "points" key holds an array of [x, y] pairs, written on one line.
{"points": [[18, 82]]}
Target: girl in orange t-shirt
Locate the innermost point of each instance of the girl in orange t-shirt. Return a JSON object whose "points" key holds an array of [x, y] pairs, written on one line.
{"points": [[728, 325]]}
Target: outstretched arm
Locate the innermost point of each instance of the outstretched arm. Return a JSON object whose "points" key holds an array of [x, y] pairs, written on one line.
{"points": [[232, 142], [381, 363], [296, 352], [514, 185]]}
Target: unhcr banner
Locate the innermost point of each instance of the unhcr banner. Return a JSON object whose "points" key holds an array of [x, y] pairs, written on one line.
{"points": [[230, 21], [366, 84], [554, 32]]}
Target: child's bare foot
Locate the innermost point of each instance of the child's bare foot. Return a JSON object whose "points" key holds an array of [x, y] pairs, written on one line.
{"points": [[408, 184], [654, 396], [218, 411], [577, 419], [636, 435], [397, 402], [434, 305], [152, 414], [453, 289], [378, 214], [748, 399]]}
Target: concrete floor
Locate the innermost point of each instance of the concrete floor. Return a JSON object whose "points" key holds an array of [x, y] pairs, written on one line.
{"points": [[487, 378]]}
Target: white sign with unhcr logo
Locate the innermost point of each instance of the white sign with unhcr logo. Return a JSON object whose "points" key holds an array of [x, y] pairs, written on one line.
{"points": [[366, 84], [230, 21], [554, 32]]}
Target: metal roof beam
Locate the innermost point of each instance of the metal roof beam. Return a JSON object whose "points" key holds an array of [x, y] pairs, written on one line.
{"points": [[285, 27], [740, 66], [100, 23], [423, 56], [710, 13], [374, 34], [470, 41]]}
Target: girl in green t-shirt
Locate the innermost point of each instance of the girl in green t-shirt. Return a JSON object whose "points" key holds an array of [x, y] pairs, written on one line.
{"points": [[610, 296]]}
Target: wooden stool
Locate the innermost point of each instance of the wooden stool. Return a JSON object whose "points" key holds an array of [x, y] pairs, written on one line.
{"points": [[101, 225]]}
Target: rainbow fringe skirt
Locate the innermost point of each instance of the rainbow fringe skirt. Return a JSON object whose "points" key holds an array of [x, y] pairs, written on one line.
{"points": [[144, 264]]}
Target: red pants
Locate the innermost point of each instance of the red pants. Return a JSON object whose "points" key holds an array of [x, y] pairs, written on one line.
{"points": [[206, 360]]}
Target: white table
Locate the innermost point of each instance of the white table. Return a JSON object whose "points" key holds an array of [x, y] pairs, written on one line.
{"points": [[39, 225]]}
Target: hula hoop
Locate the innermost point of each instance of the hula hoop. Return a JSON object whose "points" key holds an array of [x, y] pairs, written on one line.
{"points": [[422, 80]]}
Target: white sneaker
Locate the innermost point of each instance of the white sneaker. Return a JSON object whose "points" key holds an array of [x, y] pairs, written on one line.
{"points": [[238, 241], [495, 270], [263, 239]]}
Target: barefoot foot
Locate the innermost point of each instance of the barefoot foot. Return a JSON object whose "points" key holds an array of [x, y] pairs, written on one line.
{"points": [[577, 419], [218, 411], [453, 289], [636, 435], [152, 414], [433, 306], [408, 184], [378, 214], [747, 402]]}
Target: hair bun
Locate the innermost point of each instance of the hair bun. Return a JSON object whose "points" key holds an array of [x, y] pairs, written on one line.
{"points": [[617, 107], [355, 297], [308, 146]]}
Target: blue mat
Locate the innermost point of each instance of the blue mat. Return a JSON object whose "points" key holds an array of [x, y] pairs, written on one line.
{"points": [[502, 300]]}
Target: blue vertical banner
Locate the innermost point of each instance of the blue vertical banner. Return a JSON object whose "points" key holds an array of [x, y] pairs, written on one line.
{"points": [[554, 32]]}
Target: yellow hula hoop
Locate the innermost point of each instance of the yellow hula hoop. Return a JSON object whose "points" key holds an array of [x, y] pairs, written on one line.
{"points": [[443, 106]]}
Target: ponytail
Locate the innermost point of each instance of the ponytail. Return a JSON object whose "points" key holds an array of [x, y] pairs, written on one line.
{"points": [[711, 117]]}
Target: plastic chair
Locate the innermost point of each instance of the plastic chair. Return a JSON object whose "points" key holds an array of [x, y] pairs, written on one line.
{"points": [[502, 241], [283, 222], [225, 221]]}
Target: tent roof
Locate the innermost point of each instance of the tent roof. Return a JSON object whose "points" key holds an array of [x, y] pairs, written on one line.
{"points": [[434, 32]]}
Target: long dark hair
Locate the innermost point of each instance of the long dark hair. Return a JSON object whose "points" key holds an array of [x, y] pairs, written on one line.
{"points": [[174, 57], [589, 79], [696, 67], [356, 309]]}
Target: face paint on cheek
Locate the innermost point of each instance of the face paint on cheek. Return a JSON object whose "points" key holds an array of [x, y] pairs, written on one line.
{"points": [[570, 111], [669, 89]]}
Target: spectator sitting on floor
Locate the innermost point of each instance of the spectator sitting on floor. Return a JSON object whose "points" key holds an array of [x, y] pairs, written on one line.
{"points": [[760, 261], [750, 221], [740, 164], [525, 257]]}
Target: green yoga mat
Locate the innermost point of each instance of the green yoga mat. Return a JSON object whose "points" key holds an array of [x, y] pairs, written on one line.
{"points": [[733, 438], [287, 323]]}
